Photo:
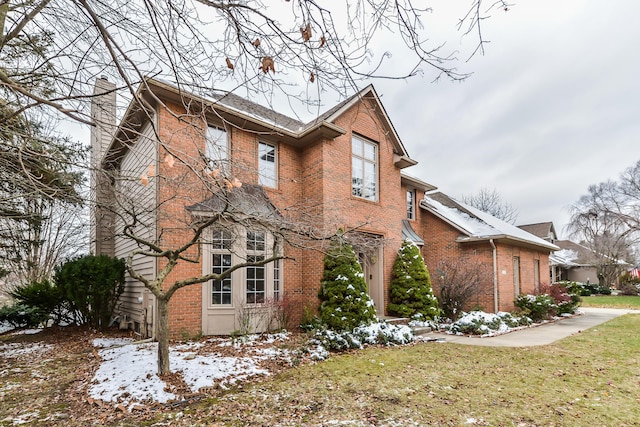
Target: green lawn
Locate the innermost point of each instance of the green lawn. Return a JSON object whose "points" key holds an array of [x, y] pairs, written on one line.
{"points": [[611, 301], [589, 379]]}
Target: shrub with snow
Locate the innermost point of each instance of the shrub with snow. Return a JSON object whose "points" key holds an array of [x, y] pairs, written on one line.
{"points": [[379, 333], [410, 292], [481, 323], [345, 302]]}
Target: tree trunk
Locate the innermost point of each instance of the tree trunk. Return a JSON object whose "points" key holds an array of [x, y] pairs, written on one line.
{"points": [[163, 336]]}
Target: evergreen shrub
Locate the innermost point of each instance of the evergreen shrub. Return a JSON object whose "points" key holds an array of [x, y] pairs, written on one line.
{"points": [[410, 291], [345, 303]]}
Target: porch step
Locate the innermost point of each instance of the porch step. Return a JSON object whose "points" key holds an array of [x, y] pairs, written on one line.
{"points": [[421, 330], [396, 320]]}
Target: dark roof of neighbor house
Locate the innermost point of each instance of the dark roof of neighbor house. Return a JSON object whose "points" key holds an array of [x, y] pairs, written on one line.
{"points": [[544, 230], [476, 225], [247, 200]]}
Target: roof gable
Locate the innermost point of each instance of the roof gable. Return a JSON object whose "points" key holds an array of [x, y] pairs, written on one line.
{"points": [[369, 93], [544, 230], [476, 225]]}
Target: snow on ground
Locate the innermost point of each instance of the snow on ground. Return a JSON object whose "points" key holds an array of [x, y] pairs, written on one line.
{"points": [[13, 350], [128, 371], [5, 327]]}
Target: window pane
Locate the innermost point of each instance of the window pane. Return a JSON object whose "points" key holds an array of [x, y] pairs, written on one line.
{"points": [[357, 173], [364, 169], [356, 147], [221, 289], [221, 239], [267, 164], [217, 147], [255, 241], [410, 204], [370, 181], [370, 152], [255, 285]]}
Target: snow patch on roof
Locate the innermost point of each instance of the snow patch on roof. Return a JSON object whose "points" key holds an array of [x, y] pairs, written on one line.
{"points": [[478, 224]]}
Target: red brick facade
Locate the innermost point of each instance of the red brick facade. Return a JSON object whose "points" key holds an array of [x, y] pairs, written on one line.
{"points": [[314, 180]]}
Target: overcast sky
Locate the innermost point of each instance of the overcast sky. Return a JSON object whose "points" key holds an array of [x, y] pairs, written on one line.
{"points": [[552, 107]]}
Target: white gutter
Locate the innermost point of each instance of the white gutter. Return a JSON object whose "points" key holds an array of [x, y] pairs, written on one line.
{"points": [[495, 276]]}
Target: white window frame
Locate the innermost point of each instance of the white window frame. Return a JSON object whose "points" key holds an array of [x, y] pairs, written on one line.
{"points": [[267, 170], [364, 169], [221, 247], [217, 149], [411, 204]]}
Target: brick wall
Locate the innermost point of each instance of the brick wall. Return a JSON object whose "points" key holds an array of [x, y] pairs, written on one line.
{"points": [[440, 245], [314, 187]]}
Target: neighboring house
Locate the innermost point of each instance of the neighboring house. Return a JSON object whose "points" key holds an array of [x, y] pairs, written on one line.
{"points": [[544, 230], [517, 260], [342, 170], [347, 164], [573, 262]]}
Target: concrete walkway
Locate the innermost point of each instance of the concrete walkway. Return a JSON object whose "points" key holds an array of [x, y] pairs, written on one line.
{"points": [[543, 334]]}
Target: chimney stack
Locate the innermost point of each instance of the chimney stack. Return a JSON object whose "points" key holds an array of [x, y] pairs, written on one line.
{"points": [[103, 116]]}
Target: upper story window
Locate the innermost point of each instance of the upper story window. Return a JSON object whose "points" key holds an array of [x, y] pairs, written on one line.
{"points": [[267, 166], [364, 169], [217, 149], [411, 203]]}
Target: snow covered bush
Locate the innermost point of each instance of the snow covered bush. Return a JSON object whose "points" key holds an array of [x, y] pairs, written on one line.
{"points": [[537, 307], [553, 301], [345, 303], [379, 333], [410, 292], [481, 323]]}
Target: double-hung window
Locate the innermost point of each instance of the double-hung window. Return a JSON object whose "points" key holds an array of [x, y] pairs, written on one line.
{"points": [[364, 169], [221, 261], [255, 278], [267, 165], [217, 149]]}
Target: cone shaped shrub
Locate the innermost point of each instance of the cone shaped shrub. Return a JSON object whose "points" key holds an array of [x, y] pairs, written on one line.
{"points": [[345, 302], [410, 292]]}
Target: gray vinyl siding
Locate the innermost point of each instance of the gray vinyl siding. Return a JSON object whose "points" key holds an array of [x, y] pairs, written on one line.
{"points": [[136, 301]]}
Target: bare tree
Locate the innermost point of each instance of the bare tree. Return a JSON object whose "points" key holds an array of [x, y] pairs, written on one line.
{"points": [[52, 50], [31, 250], [607, 221], [490, 201], [458, 283]]}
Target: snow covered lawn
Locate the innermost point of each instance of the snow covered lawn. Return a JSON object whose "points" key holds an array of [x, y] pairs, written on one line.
{"points": [[128, 371]]}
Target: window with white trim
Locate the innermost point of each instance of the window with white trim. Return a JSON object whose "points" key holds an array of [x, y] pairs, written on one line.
{"points": [[255, 275], [217, 149], [267, 165], [277, 290], [411, 202], [364, 169], [221, 261]]}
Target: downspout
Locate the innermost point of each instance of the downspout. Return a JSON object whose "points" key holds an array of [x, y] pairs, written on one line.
{"points": [[495, 276]]}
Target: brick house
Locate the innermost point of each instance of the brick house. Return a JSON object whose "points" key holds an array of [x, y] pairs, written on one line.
{"points": [[342, 170], [514, 258]]}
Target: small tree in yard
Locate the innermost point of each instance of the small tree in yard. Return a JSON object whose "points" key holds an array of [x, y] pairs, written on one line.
{"points": [[459, 282], [410, 292], [345, 302]]}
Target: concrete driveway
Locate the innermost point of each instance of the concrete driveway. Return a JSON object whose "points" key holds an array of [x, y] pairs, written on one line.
{"points": [[543, 334]]}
